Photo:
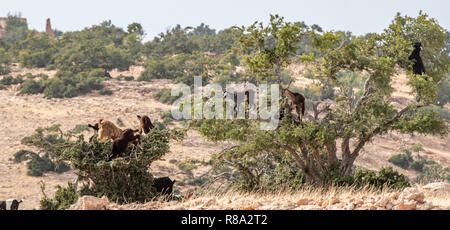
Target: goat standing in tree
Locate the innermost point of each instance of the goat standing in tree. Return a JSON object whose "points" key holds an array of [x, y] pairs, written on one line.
{"points": [[418, 67], [297, 101]]}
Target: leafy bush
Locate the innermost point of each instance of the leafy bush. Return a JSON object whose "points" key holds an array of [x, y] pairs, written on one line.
{"points": [[385, 177], [30, 87], [37, 165], [418, 165], [9, 80], [165, 97], [66, 84], [167, 118], [23, 155], [179, 68], [402, 160], [124, 179], [64, 197], [433, 172]]}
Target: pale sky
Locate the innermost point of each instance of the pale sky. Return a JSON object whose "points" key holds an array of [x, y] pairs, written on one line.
{"points": [[358, 16]]}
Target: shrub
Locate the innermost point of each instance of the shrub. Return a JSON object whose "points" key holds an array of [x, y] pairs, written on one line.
{"points": [[124, 179], [67, 84], [402, 160], [64, 197], [165, 97], [30, 87], [167, 118], [432, 172], [38, 165], [23, 155], [159, 125], [9, 80], [418, 165]]}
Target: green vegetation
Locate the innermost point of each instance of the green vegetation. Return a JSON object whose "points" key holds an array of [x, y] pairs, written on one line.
{"points": [[66, 84], [165, 97], [64, 197], [429, 170], [38, 165], [402, 160], [125, 179], [307, 150]]}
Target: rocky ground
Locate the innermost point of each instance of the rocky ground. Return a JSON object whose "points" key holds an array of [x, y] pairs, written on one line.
{"points": [[433, 196]]}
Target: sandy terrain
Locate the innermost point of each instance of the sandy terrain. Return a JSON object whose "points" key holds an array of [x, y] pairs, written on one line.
{"points": [[20, 115]]}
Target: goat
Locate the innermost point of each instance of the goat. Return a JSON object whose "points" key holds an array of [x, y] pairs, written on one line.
{"points": [[95, 128], [107, 130], [297, 100], [418, 67], [145, 124], [10, 204], [121, 144], [248, 93], [164, 185]]}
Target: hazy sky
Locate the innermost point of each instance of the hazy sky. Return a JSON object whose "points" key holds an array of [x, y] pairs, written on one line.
{"points": [[358, 16]]}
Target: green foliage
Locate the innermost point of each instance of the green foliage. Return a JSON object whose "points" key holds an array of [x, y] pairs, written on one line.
{"points": [[124, 179], [38, 165], [358, 71], [269, 48], [64, 197], [164, 96], [167, 118], [402, 160], [37, 51], [179, 68], [9, 80], [5, 60], [23, 155], [66, 84], [433, 172], [385, 177], [418, 165], [15, 30]]}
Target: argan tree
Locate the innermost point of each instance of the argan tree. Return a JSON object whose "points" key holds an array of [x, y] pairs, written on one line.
{"points": [[327, 143], [124, 179]]}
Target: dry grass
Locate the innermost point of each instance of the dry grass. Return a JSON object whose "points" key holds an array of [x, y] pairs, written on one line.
{"points": [[307, 198]]}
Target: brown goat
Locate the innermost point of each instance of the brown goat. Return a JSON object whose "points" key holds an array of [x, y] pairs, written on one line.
{"points": [[121, 144], [297, 100], [145, 124], [107, 130]]}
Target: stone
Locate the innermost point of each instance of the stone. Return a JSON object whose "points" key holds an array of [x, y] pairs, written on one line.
{"points": [[425, 206], [349, 206], [91, 203], [412, 194], [303, 202], [437, 187], [406, 205]]}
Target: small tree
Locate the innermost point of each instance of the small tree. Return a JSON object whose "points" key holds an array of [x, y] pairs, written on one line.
{"points": [[349, 120]]}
